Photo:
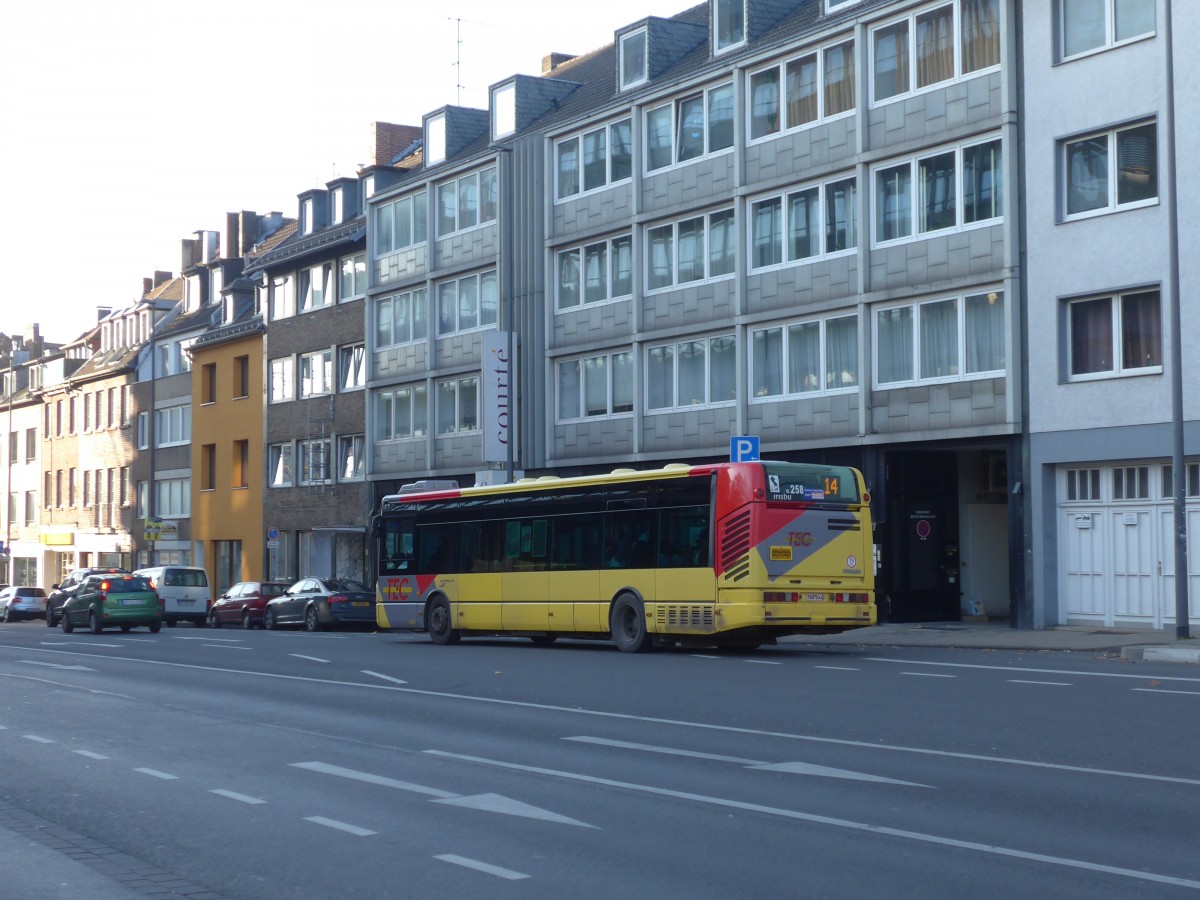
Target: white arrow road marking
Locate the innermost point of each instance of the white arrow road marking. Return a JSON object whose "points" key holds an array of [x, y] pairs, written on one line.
{"points": [[499, 804], [384, 677], [795, 768], [340, 826], [481, 867], [34, 662]]}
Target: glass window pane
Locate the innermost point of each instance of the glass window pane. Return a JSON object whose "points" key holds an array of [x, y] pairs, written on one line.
{"points": [[935, 46], [839, 78], [468, 304], [660, 377], [841, 215], [468, 201], [720, 118], [447, 307], [891, 61], [767, 362], [401, 317], [468, 403], [801, 86], [939, 339], [691, 373], [622, 266], [621, 150], [658, 138], [383, 322], [768, 227], [690, 131], [894, 344], [804, 358], [1137, 170], [1087, 174], [661, 261], [764, 103], [985, 332], [722, 369], [1141, 331], [1091, 336], [446, 412], [622, 382], [595, 160], [568, 168], [595, 269], [595, 386], [417, 310], [1134, 18], [722, 244], [893, 203], [982, 183], [447, 216], [383, 416], [691, 250], [841, 353], [489, 194], [568, 279], [804, 224], [980, 34], [1083, 25], [489, 299], [938, 204], [404, 222], [568, 389]]}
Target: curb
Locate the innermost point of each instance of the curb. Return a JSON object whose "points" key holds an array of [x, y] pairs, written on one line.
{"points": [[1162, 654]]}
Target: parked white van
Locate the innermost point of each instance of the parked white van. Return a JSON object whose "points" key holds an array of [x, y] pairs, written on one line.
{"points": [[184, 592]]}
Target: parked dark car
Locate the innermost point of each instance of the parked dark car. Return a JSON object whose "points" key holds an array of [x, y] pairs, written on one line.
{"points": [[105, 601], [318, 603], [244, 602], [60, 593], [22, 603]]}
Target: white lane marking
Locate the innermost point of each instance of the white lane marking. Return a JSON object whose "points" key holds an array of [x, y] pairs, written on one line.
{"points": [[1051, 683], [154, 773], [34, 662], [188, 637], [89, 754], [340, 826], [36, 739], [705, 656], [1139, 677], [234, 795], [764, 662], [225, 647], [838, 668], [828, 820], [499, 804], [313, 658], [928, 674], [794, 768], [384, 677], [1159, 691], [369, 778], [659, 720], [478, 866]]}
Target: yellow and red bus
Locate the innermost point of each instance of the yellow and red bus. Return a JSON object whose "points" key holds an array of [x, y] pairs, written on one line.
{"points": [[727, 554]]}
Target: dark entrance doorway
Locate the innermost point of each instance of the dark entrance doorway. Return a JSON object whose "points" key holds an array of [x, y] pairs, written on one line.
{"points": [[920, 572]]}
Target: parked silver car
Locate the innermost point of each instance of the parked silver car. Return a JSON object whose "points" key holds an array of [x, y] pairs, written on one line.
{"points": [[19, 602], [318, 603]]}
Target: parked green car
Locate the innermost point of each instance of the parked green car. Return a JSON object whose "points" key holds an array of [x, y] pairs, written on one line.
{"points": [[105, 601]]}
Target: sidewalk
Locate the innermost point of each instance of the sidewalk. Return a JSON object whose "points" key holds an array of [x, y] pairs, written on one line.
{"points": [[1131, 643]]}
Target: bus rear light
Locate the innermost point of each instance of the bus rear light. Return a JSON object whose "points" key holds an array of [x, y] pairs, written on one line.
{"points": [[850, 598], [780, 597]]}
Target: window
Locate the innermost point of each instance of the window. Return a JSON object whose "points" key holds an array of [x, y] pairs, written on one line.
{"points": [[817, 85], [458, 405], [1117, 335], [595, 272], [48, 490], [316, 373], [467, 201], [173, 497], [283, 298], [633, 68], [279, 465], [283, 372], [941, 340], [208, 467], [805, 358], [504, 111], [352, 461], [1087, 25], [595, 386], [172, 426], [435, 139], [691, 373], [316, 287], [689, 128], [729, 24], [352, 367], [306, 216], [1131, 483], [314, 461], [1192, 488], [241, 377], [950, 189], [805, 224], [690, 250], [31, 442], [30, 507], [208, 383], [141, 507], [1112, 170], [468, 303], [400, 319], [352, 277], [241, 464], [401, 413], [400, 224], [593, 160], [929, 48]]}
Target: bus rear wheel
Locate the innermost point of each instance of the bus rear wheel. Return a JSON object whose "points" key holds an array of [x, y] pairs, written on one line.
{"points": [[627, 622], [440, 623]]}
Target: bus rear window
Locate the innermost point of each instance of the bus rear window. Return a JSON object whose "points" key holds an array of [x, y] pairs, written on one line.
{"points": [[799, 483]]}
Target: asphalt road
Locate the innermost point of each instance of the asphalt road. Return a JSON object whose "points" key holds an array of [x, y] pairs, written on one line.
{"points": [[263, 764]]}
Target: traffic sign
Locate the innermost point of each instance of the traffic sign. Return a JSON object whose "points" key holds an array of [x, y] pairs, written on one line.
{"points": [[272, 533], [743, 448]]}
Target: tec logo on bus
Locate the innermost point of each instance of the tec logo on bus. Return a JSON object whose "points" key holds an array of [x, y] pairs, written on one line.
{"points": [[396, 588]]}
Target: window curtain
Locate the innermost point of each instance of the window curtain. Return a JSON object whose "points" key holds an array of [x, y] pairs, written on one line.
{"points": [[768, 362], [595, 273], [980, 34], [1141, 331], [595, 386], [568, 389], [1087, 175], [935, 46], [1091, 336], [804, 358], [985, 334], [691, 373], [568, 279], [622, 267], [894, 344], [801, 88], [722, 369], [622, 382], [891, 61], [939, 339], [661, 252], [839, 79], [841, 353], [660, 377]]}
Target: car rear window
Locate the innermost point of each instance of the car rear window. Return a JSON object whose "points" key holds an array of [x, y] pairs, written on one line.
{"points": [[30, 592], [185, 578], [129, 583]]}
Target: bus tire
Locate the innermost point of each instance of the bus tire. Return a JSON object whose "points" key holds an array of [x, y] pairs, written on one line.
{"points": [[440, 622], [627, 622]]}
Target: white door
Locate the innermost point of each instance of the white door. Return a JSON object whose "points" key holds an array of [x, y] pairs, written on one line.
{"points": [[1135, 558], [1084, 587], [1166, 563]]}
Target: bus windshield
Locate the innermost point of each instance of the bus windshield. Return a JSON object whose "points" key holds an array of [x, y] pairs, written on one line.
{"points": [[797, 482]]}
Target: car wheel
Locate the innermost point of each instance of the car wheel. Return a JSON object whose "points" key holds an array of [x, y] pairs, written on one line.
{"points": [[269, 620], [94, 625], [440, 622], [246, 623], [627, 622], [311, 621], [213, 621], [155, 627], [51, 622], [7, 614], [67, 627]]}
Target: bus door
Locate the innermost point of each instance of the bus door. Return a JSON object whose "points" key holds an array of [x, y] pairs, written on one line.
{"points": [[526, 575]]}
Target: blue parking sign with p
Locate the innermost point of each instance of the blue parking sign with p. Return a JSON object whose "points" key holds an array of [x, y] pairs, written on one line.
{"points": [[743, 448]]}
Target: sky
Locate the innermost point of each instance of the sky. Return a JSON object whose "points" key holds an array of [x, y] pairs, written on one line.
{"points": [[129, 125]]}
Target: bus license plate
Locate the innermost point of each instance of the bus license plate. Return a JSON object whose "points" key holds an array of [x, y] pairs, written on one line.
{"points": [[814, 598]]}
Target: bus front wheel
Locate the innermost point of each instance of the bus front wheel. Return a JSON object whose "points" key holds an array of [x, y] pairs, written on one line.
{"points": [[440, 623], [627, 622]]}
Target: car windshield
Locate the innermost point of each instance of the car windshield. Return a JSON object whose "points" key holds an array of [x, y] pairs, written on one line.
{"points": [[344, 585]]}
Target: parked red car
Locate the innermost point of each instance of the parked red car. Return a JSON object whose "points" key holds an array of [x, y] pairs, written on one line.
{"points": [[244, 603]]}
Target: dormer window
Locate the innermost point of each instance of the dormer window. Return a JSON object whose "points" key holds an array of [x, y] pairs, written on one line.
{"points": [[435, 139], [633, 58], [306, 216], [729, 24], [338, 205], [504, 111]]}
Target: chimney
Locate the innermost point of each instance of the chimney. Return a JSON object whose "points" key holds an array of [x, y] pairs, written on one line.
{"points": [[189, 255], [248, 228], [147, 286], [554, 60], [233, 233], [388, 141], [161, 277]]}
